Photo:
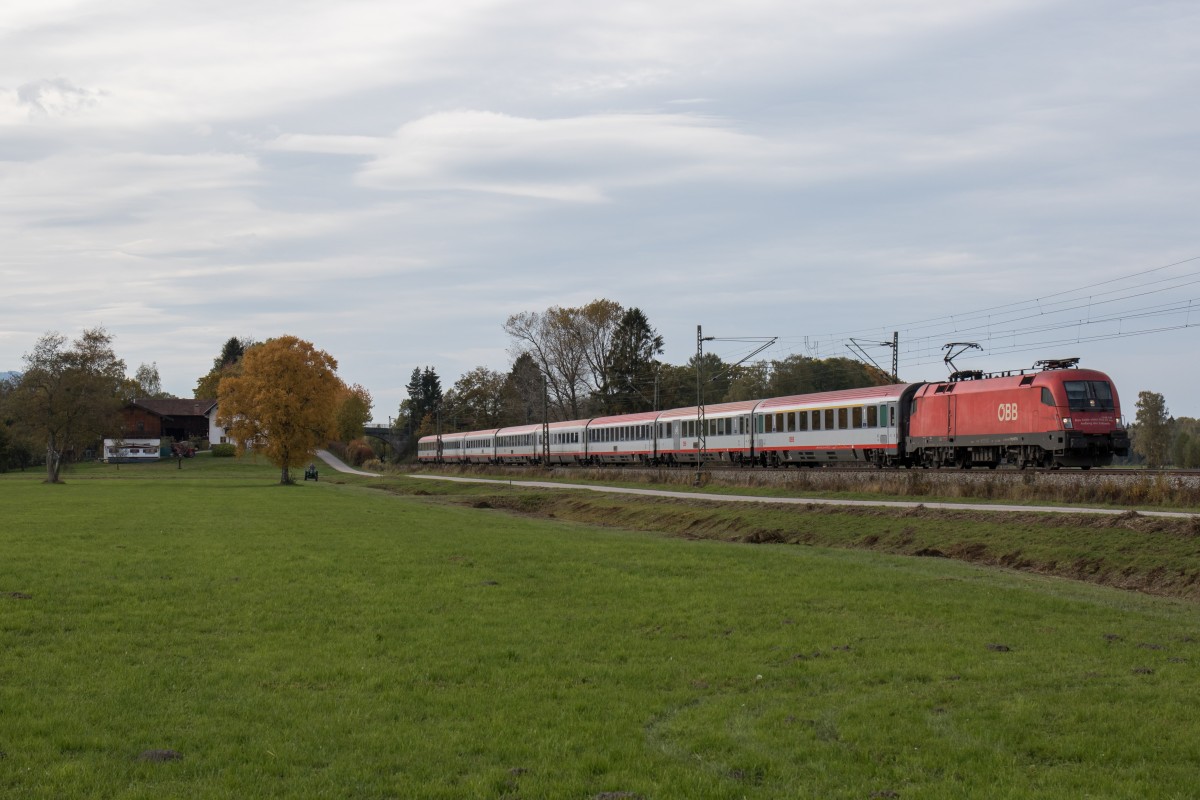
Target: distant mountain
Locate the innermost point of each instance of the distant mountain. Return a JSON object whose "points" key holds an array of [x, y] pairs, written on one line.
{"points": [[4, 376]]}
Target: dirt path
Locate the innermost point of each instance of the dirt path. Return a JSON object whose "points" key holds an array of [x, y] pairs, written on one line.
{"points": [[335, 462], [735, 498]]}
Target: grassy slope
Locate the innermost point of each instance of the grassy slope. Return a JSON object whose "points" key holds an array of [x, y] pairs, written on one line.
{"points": [[1150, 554], [330, 641]]}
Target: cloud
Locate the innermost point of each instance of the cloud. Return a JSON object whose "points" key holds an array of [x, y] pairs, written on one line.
{"points": [[578, 159], [56, 97]]}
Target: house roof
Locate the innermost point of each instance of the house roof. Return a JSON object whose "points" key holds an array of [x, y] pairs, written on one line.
{"points": [[175, 406]]}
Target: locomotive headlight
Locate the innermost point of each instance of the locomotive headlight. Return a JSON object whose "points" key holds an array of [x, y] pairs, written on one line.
{"points": [[1067, 424]]}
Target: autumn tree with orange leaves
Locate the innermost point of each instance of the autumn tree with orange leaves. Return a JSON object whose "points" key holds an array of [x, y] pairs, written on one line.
{"points": [[284, 404]]}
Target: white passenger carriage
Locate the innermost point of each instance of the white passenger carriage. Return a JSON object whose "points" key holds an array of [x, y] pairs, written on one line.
{"points": [[520, 444], [444, 449], [727, 428], [624, 439], [853, 425], [568, 442], [479, 447]]}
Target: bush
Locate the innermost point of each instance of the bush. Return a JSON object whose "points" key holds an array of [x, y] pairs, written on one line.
{"points": [[359, 451], [223, 450]]}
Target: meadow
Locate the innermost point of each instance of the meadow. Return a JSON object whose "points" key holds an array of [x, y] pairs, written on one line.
{"points": [[204, 633]]}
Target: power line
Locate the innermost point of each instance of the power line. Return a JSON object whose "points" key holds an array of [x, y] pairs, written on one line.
{"points": [[1045, 315]]}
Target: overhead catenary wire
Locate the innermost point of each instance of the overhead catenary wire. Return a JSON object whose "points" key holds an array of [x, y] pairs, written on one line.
{"points": [[1097, 312]]}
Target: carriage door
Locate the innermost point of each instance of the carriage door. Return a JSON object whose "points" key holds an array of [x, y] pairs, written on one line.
{"points": [[675, 426]]}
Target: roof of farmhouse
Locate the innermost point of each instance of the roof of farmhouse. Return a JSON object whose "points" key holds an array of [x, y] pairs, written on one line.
{"points": [[175, 406]]}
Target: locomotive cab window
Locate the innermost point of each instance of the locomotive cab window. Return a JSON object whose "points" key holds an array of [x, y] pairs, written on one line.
{"points": [[1047, 397], [1089, 395]]}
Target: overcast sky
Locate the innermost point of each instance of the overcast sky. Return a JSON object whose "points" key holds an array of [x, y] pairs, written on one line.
{"points": [[392, 180]]}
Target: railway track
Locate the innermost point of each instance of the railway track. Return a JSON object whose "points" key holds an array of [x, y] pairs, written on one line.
{"points": [[1097, 472]]}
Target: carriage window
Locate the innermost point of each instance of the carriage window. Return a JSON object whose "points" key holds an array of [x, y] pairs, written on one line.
{"points": [[829, 418], [779, 423], [769, 423], [816, 420], [801, 420], [891, 415], [843, 419], [872, 416], [857, 417]]}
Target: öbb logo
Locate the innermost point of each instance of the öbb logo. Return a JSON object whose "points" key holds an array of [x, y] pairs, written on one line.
{"points": [[1006, 412]]}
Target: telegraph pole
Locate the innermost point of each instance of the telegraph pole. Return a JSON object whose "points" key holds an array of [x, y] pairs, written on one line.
{"points": [[701, 438], [545, 423], [701, 433], [896, 356]]}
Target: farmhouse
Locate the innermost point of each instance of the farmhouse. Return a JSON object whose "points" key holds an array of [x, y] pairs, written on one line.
{"points": [[177, 418], [147, 421]]}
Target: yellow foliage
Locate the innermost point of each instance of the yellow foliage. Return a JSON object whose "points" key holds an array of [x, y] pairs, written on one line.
{"points": [[284, 403]]}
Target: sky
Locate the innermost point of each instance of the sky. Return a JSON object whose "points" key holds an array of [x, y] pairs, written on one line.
{"points": [[391, 181]]}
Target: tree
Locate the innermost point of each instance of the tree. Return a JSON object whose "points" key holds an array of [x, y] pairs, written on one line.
{"points": [[353, 412], [596, 326], [424, 399], [522, 392], [477, 400], [284, 403], [632, 372], [1152, 431], [547, 340], [1185, 449], [798, 374], [571, 346], [226, 364], [749, 382], [147, 383], [69, 396]]}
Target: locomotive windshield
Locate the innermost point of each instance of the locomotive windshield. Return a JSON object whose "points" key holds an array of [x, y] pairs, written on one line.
{"points": [[1089, 395]]}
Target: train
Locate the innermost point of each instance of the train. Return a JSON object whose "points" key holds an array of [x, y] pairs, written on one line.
{"points": [[1052, 415]]}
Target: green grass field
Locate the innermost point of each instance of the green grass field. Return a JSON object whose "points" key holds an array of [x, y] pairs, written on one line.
{"points": [[333, 640]]}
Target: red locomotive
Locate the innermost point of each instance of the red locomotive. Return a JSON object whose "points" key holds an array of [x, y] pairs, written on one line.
{"points": [[1059, 417]]}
